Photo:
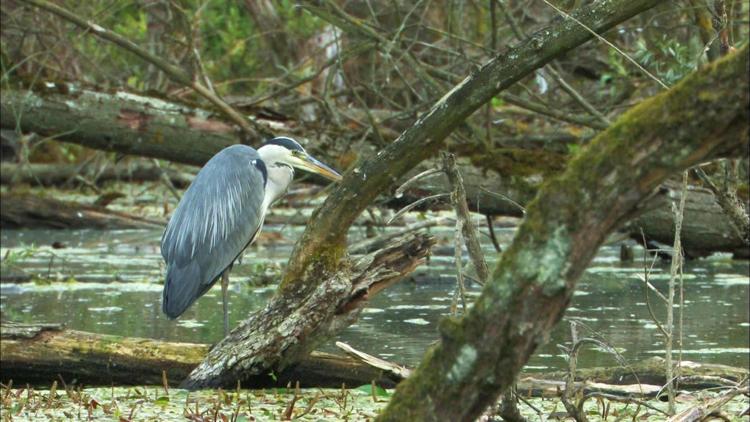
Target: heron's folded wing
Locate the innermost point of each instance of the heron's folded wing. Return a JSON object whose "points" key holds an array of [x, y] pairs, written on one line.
{"points": [[217, 217]]}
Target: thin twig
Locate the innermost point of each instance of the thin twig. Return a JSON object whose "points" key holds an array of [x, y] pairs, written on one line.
{"points": [[583, 102], [493, 238], [503, 197], [605, 41], [673, 274], [652, 288], [605, 122], [550, 112], [415, 204], [620, 399], [427, 173], [460, 292]]}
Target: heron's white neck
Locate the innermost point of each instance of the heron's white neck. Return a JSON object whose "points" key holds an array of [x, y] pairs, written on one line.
{"points": [[279, 175]]}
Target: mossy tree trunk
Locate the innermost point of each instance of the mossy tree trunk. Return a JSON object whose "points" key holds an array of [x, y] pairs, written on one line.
{"points": [[702, 118], [318, 266]]}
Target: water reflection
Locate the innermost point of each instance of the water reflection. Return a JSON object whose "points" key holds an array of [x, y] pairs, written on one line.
{"points": [[118, 292]]}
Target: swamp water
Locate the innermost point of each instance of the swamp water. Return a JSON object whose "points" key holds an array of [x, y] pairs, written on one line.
{"points": [[117, 290]]}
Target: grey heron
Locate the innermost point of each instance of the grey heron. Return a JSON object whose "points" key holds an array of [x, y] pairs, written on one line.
{"points": [[221, 214]]}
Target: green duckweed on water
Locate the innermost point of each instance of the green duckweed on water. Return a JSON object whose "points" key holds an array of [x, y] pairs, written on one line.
{"points": [[360, 404]]}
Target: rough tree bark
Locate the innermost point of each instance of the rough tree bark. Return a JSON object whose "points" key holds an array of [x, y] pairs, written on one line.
{"points": [[38, 354], [318, 266], [703, 117]]}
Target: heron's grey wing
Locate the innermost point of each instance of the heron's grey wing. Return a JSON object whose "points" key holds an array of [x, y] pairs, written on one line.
{"points": [[217, 217]]}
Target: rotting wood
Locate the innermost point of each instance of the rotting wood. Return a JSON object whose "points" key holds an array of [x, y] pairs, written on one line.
{"points": [[37, 353], [174, 72], [26, 210], [61, 174], [399, 371], [468, 229], [704, 411], [706, 228], [119, 121]]}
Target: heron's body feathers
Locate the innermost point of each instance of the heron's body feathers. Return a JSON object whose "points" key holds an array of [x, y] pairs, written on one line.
{"points": [[219, 215], [222, 212]]}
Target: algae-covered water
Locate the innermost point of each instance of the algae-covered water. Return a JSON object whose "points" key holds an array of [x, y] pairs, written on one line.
{"points": [[359, 404], [109, 282]]}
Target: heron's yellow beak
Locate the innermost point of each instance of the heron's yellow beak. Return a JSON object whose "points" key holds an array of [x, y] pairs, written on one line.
{"points": [[307, 162]]}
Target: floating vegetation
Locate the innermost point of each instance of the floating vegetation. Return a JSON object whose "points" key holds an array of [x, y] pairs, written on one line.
{"points": [[165, 404], [160, 403], [417, 307], [190, 323], [708, 351], [732, 279], [107, 309], [417, 321]]}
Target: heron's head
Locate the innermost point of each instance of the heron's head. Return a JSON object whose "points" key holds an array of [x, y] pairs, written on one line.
{"points": [[283, 151]]}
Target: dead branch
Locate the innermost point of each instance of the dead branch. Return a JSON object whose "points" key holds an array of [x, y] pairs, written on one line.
{"points": [[27, 210], [62, 174]]}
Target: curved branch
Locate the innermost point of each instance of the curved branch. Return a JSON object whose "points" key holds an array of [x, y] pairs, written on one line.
{"points": [[324, 237]]}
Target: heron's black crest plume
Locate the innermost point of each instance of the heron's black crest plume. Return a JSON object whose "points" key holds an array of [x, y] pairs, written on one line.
{"points": [[285, 142]]}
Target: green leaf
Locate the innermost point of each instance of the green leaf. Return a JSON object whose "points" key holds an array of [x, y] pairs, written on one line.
{"points": [[379, 391], [162, 401]]}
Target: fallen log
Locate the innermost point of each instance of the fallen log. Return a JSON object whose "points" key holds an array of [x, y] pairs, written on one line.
{"points": [[704, 411], [279, 335], [705, 228], [119, 121], [26, 210], [61, 174], [38, 354]]}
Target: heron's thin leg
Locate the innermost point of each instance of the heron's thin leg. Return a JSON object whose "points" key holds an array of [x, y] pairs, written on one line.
{"points": [[224, 285]]}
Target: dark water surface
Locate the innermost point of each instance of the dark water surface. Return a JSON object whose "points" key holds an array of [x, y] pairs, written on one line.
{"points": [[118, 291]]}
